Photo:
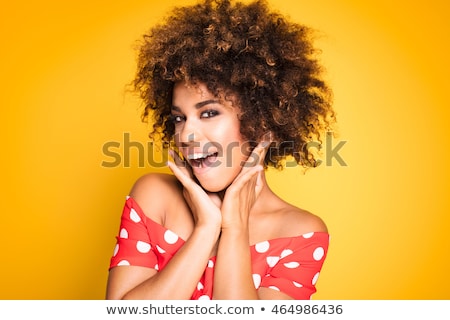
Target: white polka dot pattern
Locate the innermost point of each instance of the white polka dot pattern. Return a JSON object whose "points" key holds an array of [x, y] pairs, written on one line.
{"points": [[170, 237], [272, 261], [160, 250], [256, 280], [123, 233], [286, 252], [292, 265], [262, 246], [274, 288], [314, 279], [318, 253], [134, 216], [143, 247], [308, 235], [123, 263], [289, 265]]}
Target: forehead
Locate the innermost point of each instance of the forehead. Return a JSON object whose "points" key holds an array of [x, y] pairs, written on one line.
{"points": [[187, 94], [189, 90]]}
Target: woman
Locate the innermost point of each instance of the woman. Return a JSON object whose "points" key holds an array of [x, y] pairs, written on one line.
{"points": [[234, 88]]}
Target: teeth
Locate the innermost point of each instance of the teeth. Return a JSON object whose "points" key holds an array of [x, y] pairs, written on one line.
{"points": [[196, 156]]}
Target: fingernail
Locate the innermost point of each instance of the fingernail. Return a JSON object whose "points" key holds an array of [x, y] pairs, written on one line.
{"points": [[265, 144]]}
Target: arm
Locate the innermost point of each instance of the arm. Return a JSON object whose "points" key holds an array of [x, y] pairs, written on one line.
{"points": [[294, 275], [234, 280], [176, 281], [233, 274], [180, 276], [297, 271]]}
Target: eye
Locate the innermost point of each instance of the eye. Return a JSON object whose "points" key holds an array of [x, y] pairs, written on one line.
{"points": [[176, 118], [209, 114]]}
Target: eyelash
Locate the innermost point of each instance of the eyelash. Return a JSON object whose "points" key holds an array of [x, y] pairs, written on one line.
{"points": [[179, 118], [211, 113], [176, 118]]}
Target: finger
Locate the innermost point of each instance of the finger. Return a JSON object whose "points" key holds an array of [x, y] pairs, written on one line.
{"points": [[258, 154], [264, 147], [215, 199], [180, 163], [176, 158], [246, 177], [182, 176], [258, 184]]}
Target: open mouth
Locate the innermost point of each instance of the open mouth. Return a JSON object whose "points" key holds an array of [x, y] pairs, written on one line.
{"points": [[200, 160]]}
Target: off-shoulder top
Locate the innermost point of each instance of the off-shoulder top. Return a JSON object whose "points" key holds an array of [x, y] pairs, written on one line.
{"points": [[291, 265]]}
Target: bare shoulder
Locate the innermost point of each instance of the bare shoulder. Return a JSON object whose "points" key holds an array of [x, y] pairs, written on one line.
{"points": [[306, 221], [294, 221], [280, 219], [154, 181], [155, 192]]}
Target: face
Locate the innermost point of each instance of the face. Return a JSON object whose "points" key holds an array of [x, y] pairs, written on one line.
{"points": [[208, 136]]}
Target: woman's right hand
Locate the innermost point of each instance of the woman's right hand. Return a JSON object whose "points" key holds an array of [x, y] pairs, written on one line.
{"points": [[205, 206]]}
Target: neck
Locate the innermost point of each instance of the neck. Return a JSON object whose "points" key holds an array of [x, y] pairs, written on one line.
{"points": [[266, 199]]}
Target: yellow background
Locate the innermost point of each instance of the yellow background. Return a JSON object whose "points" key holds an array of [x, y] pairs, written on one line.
{"points": [[64, 67]]}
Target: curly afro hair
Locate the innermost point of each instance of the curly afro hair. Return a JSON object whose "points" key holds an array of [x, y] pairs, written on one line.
{"points": [[245, 51]]}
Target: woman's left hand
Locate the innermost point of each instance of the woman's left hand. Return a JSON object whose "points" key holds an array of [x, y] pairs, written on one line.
{"points": [[241, 195]]}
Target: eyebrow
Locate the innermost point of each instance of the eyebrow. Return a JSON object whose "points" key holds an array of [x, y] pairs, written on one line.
{"points": [[198, 105]]}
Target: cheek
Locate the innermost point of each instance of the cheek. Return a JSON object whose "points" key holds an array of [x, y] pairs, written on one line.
{"points": [[176, 139], [225, 133], [241, 147], [237, 153], [177, 134]]}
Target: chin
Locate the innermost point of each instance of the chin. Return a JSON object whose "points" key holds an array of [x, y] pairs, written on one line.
{"points": [[217, 180], [213, 186]]}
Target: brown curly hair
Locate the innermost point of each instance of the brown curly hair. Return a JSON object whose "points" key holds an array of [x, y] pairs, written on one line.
{"points": [[266, 62]]}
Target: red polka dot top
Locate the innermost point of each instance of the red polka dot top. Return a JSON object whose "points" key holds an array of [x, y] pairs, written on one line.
{"points": [[290, 265]]}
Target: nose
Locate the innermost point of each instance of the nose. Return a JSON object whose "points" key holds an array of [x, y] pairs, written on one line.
{"points": [[189, 133]]}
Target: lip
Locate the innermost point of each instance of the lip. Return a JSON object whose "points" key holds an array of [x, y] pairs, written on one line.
{"points": [[195, 156], [196, 153], [208, 162], [199, 171], [189, 151]]}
